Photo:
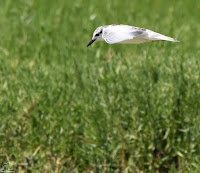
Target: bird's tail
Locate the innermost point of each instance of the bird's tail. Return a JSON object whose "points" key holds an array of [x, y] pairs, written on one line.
{"points": [[154, 36]]}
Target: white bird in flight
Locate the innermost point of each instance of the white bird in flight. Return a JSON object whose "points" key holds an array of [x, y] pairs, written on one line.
{"points": [[125, 34]]}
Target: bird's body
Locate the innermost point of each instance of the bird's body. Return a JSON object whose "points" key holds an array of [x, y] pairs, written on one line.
{"points": [[125, 34]]}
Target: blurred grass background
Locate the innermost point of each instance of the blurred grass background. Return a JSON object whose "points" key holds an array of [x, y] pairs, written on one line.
{"points": [[107, 108]]}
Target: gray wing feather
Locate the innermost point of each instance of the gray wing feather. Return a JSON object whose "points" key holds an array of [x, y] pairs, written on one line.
{"points": [[136, 33]]}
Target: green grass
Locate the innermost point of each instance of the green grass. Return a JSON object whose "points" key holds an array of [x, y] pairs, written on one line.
{"points": [[107, 108]]}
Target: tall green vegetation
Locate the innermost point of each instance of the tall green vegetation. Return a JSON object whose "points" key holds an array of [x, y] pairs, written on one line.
{"points": [[107, 108]]}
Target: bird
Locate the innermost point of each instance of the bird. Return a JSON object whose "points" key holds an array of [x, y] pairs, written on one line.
{"points": [[126, 34]]}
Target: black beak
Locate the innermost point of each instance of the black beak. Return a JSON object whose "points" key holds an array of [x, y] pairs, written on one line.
{"points": [[92, 41]]}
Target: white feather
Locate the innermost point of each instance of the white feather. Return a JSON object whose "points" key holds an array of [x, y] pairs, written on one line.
{"points": [[125, 34], [121, 34]]}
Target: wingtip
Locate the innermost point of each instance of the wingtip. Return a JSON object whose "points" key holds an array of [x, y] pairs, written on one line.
{"points": [[176, 40]]}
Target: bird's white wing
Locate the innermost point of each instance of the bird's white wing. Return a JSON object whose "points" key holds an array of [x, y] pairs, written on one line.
{"points": [[117, 34]]}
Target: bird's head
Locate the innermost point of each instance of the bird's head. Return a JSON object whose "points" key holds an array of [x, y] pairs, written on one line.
{"points": [[97, 35]]}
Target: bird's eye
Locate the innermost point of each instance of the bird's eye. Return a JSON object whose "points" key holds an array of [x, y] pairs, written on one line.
{"points": [[96, 35]]}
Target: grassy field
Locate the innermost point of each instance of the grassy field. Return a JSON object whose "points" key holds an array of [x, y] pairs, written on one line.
{"points": [[106, 108]]}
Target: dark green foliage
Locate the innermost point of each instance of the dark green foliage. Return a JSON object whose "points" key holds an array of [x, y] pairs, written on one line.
{"points": [[107, 108]]}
